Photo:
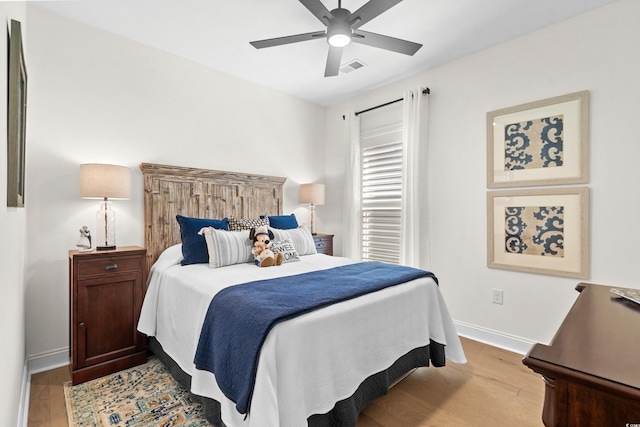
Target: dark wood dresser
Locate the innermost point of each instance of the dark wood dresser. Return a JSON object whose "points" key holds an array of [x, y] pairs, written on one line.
{"points": [[591, 369], [106, 292], [324, 243]]}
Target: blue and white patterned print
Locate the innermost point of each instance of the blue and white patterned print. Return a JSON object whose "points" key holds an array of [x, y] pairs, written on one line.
{"points": [[514, 229], [534, 230], [534, 144], [550, 230]]}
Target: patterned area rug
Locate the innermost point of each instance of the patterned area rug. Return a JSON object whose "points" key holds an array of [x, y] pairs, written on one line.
{"points": [[143, 396]]}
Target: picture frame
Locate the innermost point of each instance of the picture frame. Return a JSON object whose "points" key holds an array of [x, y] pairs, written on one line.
{"points": [[544, 231], [540, 143], [16, 118]]}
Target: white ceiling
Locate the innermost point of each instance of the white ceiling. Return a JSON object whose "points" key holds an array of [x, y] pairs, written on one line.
{"points": [[217, 33]]}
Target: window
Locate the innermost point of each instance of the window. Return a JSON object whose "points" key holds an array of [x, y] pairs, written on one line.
{"points": [[381, 184]]}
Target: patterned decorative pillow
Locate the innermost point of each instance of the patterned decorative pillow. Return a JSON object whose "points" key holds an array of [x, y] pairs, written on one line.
{"points": [[300, 237], [246, 224], [286, 248], [227, 247]]}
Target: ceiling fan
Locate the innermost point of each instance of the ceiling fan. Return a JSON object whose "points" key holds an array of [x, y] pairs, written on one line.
{"points": [[342, 29]]}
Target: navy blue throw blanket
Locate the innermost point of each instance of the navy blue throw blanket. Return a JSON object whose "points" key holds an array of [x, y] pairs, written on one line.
{"points": [[240, 317]]}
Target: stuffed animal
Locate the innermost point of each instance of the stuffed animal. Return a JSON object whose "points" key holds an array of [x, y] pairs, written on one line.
{"points": [[264, 256]]}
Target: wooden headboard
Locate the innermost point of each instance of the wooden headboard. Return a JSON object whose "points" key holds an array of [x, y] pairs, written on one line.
{"points": [[201, 193]]}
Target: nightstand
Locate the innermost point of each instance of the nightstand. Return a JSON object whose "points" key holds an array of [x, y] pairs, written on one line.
{"points": [[106, 292], [324, 243]]}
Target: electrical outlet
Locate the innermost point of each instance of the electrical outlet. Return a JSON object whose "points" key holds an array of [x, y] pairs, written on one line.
{"points": [[497, 296]]}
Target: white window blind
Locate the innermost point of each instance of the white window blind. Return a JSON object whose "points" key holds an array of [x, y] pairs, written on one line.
{"points": [[381, 180]]}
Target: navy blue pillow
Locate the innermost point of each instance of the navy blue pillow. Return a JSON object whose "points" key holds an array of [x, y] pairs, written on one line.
{"points": [[283, 222], [194, 247]]}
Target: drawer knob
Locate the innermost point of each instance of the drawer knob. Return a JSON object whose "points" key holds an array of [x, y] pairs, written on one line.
{"points": [[111, 267], [81, 324], [320, 244]]}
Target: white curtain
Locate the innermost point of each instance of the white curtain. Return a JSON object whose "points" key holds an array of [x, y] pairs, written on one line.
{"points": [[352, 204], [414, 250]]}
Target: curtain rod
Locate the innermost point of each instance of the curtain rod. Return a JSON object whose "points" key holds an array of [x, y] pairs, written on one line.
{"points": [[425, 91]]}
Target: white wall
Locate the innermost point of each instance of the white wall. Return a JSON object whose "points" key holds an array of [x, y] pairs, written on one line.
{"points": [[597, 51], [12, 254], [96, 97]]}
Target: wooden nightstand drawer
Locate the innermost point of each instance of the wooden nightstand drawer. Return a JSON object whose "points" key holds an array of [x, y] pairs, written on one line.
{"points": [[112, 264], [324, 243]]}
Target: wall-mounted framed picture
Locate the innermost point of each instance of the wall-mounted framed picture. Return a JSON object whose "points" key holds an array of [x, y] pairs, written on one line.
{"points": [[543, 231], [16, 118], [540, 143]]}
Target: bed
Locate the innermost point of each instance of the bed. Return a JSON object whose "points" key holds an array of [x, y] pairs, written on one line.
{"points": [[320, 368]]}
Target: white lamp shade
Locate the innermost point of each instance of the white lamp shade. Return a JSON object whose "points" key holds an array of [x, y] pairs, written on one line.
{"points": [[312, 194], [98, 181]]}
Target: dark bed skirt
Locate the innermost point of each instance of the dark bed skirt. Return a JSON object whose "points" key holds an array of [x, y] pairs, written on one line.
{"points": [[345, 412]]}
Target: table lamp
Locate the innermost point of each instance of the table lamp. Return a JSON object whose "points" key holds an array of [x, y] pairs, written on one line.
{"points": [[312, 195], [98, 181]]}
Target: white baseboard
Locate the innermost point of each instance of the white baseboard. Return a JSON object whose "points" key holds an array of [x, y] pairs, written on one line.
{"points": [[494, 338], [46, 361], [25, 391]]}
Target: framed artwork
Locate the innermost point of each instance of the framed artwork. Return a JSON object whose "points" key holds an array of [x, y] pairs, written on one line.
{"points": [[543, 231], [16, 118], [540, 143]]}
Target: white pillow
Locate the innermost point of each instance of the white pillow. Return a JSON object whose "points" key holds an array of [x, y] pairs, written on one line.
{"points": [[227, 247], [286, 248], [301, 238]]}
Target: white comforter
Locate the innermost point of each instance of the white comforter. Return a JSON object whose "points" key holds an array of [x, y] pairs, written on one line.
{"points": [[307, 363]]}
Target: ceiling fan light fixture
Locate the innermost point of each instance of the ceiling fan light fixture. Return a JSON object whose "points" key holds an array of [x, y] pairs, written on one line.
{"points": [[342, 28], [339, 34]]}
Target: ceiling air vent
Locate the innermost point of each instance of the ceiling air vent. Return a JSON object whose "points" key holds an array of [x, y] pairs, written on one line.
{"points": [[351, 66]]}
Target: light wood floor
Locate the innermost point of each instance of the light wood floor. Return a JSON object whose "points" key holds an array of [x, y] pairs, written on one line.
{"points": [[492, 389]]}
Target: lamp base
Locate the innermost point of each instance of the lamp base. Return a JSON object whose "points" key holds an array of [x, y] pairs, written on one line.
{"points": [[312, 217], [105, 237]]}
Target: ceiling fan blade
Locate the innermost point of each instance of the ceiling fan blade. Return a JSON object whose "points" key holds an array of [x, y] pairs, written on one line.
{"points": [[260, 44], [318, 9], [333, 61], [370, 10], [385, 42]]}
